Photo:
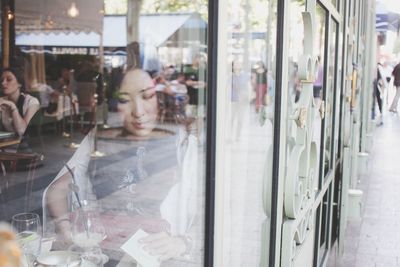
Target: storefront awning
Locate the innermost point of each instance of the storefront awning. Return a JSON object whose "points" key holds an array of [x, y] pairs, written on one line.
{"points": [[386, 18], [154, 30], [54, 16]]}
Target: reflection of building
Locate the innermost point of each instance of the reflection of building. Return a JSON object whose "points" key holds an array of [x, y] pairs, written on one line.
{"points": [[168, 36], [278, 195]]}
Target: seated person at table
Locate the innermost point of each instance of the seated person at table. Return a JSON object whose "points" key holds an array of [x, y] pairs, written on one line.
{"points": [[48, 97], [17, 108], [148, 180]]}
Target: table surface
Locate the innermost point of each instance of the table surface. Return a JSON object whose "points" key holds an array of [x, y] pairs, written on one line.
{"points": [[9, 142]]}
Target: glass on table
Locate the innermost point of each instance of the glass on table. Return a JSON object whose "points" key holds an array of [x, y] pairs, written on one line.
{"points": [[29, 234], [87, 228]]}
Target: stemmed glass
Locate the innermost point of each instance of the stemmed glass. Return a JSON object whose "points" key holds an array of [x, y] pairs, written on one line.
{"points": [[87, 228], [29, 234], [87, 233]]}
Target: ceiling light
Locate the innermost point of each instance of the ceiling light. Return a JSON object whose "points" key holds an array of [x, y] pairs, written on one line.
{"points": [[73, 11]]}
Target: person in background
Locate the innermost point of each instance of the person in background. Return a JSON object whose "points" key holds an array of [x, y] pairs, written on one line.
{"points": [[239, 98], [88, 73], [170, 73], [17, 107], [194, 75], [66, 82], [259, 81], [180, 91], [319, 80], [379, 86], [396, 83]]}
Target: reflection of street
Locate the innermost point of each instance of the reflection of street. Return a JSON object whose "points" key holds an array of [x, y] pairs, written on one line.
{"points": [[243, 190], [14, 185], [52, 146]]}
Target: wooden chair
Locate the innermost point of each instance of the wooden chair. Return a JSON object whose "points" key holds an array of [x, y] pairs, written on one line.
{"points": [[12, 162]]}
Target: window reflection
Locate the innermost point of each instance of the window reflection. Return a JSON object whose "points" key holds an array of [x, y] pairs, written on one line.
{"points": [[329, 100], [130, 126], [250, 105], [296, 47], [146, 180], [319, 90]]}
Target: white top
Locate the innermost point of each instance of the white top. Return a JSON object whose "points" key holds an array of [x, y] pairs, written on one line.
{"points": [[6, 116]]}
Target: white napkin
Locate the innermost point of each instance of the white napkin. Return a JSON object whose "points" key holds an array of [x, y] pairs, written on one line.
{"points": [[133, 248]]}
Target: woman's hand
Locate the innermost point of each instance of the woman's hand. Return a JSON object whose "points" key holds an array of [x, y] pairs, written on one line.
{"points": [[64, 236], [7, 105], [163, 245]]}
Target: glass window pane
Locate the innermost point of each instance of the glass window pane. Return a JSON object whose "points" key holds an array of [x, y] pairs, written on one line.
{"points": [[134, 101], [296, 49], [250, 104], [319, 90], [329, 99], [324, 222], [335, 2]]}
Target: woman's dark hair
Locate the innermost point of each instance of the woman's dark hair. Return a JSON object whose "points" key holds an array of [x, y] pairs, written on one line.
{"points": [[19, 75]]}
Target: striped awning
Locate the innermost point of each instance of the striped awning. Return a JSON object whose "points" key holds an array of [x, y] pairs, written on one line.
{"points": [[386, 19]]}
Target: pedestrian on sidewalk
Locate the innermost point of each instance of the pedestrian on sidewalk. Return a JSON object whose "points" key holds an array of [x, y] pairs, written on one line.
{"points": [[396, 75], [380, 85]]}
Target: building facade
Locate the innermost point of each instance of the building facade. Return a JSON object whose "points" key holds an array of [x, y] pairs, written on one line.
{"points": [[252, 159]]}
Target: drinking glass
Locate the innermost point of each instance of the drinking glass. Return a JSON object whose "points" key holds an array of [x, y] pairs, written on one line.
{"points": [[87, 228], [29, 234]]}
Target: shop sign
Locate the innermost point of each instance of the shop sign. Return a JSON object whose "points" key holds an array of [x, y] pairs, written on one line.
{"points": [[91, 51]]}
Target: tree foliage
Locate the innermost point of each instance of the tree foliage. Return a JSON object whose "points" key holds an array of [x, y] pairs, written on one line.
{"points": [[115, 7], [172, 6]]}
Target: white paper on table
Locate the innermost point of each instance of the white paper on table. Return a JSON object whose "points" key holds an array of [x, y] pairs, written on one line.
{"points": [[133, 248]]}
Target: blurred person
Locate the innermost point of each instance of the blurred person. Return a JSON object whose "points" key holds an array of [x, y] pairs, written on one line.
{"points": [[380, 84], [66, 83], [88, 73], [170, 73], [260, 84], [48, 97], [17, 107], [193, 75], [387, 69], [396, 83], [135, 190], [319, 81], [239, 98]]}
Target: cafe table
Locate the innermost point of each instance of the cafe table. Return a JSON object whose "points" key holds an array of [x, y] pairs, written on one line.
{"points": [[8, 139], [46, 250]]}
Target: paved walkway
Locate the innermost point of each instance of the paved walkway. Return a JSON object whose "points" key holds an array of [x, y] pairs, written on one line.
{"points": [[374, 241]]}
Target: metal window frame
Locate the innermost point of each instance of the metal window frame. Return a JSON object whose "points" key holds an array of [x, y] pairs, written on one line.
{"points": [[212, 44], [277, 203], [278, 147]]}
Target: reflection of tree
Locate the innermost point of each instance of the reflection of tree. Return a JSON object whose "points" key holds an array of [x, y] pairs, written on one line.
{"points": [[115, 7], [132, 20], [166, 6], [396, 47]]}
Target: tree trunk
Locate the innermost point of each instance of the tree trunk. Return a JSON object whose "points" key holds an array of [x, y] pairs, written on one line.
{"points": [[132, 20]]}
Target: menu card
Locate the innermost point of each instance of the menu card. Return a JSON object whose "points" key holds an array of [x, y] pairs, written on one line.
{"points": [[135, 249]]}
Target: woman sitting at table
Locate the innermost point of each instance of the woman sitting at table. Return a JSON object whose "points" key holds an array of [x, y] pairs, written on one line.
{"points": [[17, 108], [147, 181]]}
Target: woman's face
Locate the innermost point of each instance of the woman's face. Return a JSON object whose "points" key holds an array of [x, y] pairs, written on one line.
{"points": [[138, 103], [9, 83]]}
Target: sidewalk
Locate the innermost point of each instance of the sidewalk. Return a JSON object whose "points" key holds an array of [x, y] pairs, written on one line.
{"points": [[374, 241]]}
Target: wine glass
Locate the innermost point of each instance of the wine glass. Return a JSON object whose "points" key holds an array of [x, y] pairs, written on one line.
{"points": [[29, 234], [88, 232]]}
